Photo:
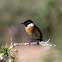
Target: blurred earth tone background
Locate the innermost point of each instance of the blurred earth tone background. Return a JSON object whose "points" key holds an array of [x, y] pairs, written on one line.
{"points": [[46, 14]]}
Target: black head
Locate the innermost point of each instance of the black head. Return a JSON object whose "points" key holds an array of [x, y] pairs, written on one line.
{"points": [[27, 22]]}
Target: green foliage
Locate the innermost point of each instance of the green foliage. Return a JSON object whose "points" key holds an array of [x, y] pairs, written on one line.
{"points": [[7, 54], [4, 50]]}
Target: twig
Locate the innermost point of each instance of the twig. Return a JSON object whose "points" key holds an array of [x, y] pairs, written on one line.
{"points": [[33, 43]]}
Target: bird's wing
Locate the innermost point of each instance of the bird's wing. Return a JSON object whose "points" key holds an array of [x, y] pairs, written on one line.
{"points": [[37, 33]]}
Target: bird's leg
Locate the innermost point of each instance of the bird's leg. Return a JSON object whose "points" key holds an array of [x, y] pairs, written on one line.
{"points": [[38, 42], [30, 41], [29, 44]]}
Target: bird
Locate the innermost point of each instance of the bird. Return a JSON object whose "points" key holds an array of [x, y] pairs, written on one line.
{"points": [[33, 31]]}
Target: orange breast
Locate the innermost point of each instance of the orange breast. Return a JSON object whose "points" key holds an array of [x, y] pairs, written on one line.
{"points": [[29, 29]]}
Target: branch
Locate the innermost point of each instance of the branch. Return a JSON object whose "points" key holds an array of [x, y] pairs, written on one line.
{"points": [[33, 43]]}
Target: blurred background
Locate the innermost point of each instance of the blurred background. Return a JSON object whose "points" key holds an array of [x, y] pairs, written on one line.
{"points": [[46, 14]]}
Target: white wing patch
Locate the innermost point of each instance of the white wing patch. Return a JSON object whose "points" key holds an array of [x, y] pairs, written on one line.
{"points": [[31, 24]]}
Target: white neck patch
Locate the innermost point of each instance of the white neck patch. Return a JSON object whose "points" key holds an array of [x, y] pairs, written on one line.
{"points": [[31, 24]]}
